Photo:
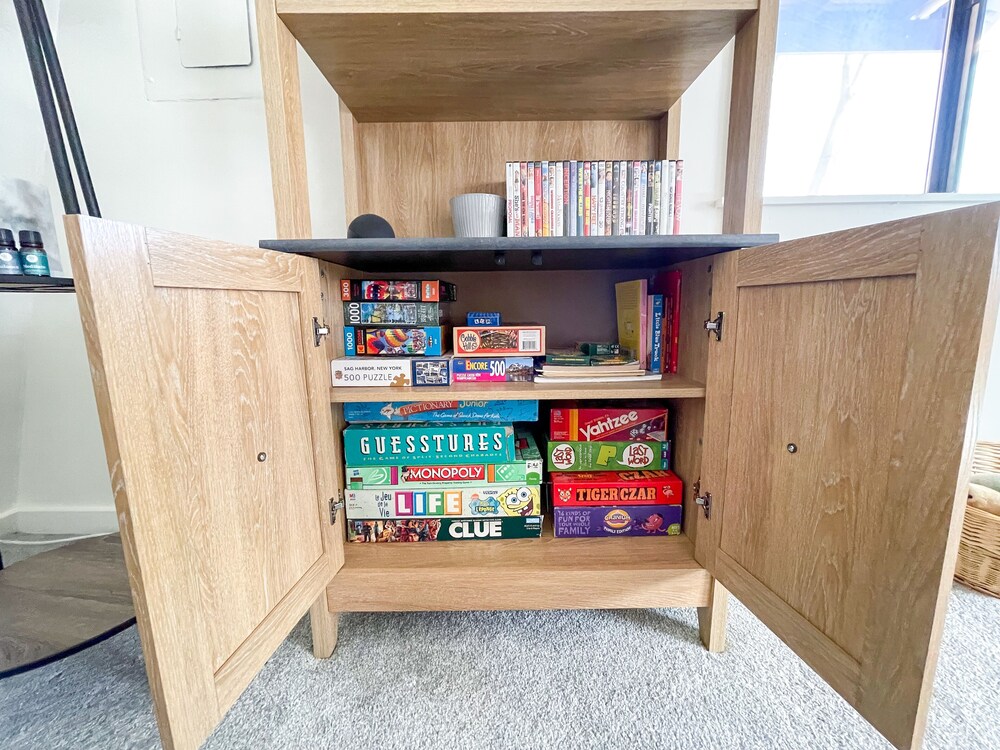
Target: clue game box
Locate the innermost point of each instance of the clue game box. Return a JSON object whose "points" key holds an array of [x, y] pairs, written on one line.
{"points": [[572, 422], [619, 520], [616, 488], [483, 500], [443, 529], [428, 444], [570, 455], [441, 411]]}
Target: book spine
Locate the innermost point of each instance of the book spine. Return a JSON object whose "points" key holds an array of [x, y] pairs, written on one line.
{"points": [[661, 215], [509, 182], [538, 199], [651, 169], [566, 199], [586, 198], [530, 193], [609, 184], [516, 197], [579, 199], [571, 205], [671, 178], [656, 340], [674, 292], [593, 198], [642, 196], [553, 181], [560, 196], [678, 182], [545, 199], [636, 201], [622, 190], [601, 198], [627, 178], [524, 198], [657, 184], [616, 176]]}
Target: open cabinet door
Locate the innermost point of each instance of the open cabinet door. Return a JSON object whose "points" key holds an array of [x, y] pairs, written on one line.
{"points": [[214, 403], [841, 412]]}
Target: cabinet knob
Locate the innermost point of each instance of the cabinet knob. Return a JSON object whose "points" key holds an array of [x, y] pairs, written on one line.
{"points": [[262, 457], [792, 448]]}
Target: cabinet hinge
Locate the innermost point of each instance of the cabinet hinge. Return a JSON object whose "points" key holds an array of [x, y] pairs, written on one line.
{"points": [[704, 500], [715, 326], [336, 503], [319, 331]]}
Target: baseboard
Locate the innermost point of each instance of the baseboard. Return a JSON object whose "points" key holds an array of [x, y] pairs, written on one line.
{"points": [[59, 520]]}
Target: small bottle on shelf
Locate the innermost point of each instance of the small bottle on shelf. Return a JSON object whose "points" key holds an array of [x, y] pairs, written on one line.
{"points": [[10, 260], [34, 261]]}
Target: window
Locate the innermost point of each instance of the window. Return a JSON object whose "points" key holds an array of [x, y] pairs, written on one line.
{"points": [[885, 97]]}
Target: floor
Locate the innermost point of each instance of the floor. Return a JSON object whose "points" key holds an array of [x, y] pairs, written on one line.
{"points": [[612, 679]]}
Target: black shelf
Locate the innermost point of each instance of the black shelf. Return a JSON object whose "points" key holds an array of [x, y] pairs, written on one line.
{"points": [[26, 283], [434, 254]]}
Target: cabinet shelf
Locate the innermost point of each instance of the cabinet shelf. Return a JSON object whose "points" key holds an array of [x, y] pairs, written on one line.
{"points": [[19, 283], [670, 386], [546, 573], [438, 60], [441, 254]]}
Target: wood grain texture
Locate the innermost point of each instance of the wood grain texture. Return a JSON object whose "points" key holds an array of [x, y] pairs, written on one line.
{"points": [[713, 618], [56, 602], [325, 625], [820, 367], [837, 668], [749, 109], [670, 386], [669, 133], [404, 7], [354, 178], [948, 343], [461, 64], [544, 573], [409, 171], [279, 72], [191, 384], [889, 249]]}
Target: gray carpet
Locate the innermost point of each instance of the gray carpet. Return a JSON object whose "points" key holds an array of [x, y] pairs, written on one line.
{"points": [[618, 679]]}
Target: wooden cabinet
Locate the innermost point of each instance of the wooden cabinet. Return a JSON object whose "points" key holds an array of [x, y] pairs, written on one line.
{"points": [[828, 431]]}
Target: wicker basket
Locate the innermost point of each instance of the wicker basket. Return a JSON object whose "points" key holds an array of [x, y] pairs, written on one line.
{"points": [[979, 550]]}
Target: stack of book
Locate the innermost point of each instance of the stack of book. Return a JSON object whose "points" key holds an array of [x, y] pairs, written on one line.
{"points": [[649, 320], [441, 471], [593, 198], [609, 471]]}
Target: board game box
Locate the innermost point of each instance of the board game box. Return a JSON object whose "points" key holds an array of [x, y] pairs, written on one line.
{"points": [[526, 340], [389, 313], [526, 468], [401, 291], [432, 371], [371, 371], [616, 488], [440, 411], [569, 455], [493, 369], [443, 529], [482, 319], [572, 422], [426, 340], [463, 502], [620, 520], [428, 444]]}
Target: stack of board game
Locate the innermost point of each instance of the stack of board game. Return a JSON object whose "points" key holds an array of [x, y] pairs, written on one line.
{"points": [[441, 471], [610, 471], [593, 198], [395, 332]]}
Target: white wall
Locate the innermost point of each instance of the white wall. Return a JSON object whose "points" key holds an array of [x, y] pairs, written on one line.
{"points": [[201, 167]]}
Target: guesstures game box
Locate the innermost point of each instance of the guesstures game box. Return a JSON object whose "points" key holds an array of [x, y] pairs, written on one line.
{"points": [[572, 422], [362, 372], [428, 444], [443, 529], [440, 411], [395, 313], [607, 455], [616, 488], [427, 340], [620, 520], [526, 468], [484, 500], [400, 291], [493, 369], [486, 341]]}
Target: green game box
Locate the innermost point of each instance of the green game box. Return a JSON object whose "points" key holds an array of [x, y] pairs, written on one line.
{"points": [[578, 455]]}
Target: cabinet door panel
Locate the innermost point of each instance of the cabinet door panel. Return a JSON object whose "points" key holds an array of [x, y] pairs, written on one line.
{"points": [[215, 411], [854, 366]]}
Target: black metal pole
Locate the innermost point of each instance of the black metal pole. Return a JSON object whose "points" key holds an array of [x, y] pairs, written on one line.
{"points": [[47, 106], [44, 32]]}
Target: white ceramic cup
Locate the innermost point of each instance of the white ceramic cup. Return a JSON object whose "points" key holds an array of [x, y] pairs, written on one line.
{"points": [[478, 215]]}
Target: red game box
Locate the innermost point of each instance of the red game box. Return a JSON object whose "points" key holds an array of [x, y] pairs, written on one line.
{"points": [[588, 423], [616, 488]]}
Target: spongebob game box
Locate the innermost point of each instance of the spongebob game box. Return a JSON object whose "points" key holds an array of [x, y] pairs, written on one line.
{"points": [[443, 529], [442, 411], [462, 502], [576, 455], [428, 444], [619, 520]]}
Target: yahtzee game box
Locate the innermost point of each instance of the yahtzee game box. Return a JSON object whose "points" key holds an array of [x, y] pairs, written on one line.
{"points": [[607, 422]]}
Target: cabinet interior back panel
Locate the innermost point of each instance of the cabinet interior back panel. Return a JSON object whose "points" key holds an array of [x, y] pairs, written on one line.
{"points": [[811, 504], [408, 171]]}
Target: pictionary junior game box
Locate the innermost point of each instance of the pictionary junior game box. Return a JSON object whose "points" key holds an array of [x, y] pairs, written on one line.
{"points": [[442, 411], [467, 502]]}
